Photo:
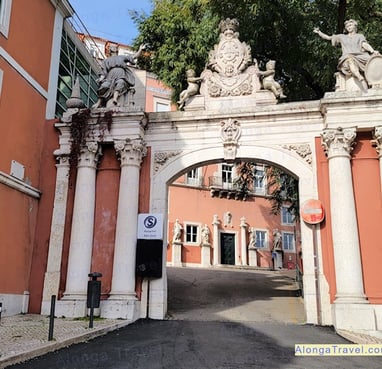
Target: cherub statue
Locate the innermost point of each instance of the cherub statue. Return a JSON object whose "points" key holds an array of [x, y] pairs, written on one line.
{"points": [[192, 88], [268, 79]]}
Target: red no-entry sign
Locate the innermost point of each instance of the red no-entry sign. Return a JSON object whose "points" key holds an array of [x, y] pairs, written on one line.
{"points": [[312, 211]]}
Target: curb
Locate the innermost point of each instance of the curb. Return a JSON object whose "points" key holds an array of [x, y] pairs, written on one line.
{"points": [[57, 345], [359, 337]]}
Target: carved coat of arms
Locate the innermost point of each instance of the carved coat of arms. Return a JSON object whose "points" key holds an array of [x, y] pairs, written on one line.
{"points": [[228, 72]]}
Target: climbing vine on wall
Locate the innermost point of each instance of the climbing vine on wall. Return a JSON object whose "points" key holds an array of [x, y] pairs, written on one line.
{"points": [[81, 131]]}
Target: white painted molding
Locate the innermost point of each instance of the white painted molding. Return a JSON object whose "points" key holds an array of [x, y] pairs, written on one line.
{"points": [[14, 64], [18, 185], [5, 17]]}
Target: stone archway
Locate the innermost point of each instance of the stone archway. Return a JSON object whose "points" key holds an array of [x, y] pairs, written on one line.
{"points": [[279, 157]]}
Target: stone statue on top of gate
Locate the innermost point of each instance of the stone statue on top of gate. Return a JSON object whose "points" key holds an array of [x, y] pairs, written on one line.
{"points": [[231, 78], [360, 65], [228, 70]]}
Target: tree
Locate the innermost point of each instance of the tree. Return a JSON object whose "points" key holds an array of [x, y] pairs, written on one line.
{"points": [[282, 188], [180, 34]]}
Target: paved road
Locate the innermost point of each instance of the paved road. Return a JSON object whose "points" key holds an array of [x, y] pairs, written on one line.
{"points": [[234, 295], [213, 327]]}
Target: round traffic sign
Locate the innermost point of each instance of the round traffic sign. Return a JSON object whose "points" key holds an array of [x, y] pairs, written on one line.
{"points": [[312, 211]]}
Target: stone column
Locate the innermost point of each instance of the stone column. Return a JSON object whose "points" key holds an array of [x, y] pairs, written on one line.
{"points": [[378, 144], [131, 154], [215, 232], [243, 239], [81, 239], [338, 144], [53, 268]]}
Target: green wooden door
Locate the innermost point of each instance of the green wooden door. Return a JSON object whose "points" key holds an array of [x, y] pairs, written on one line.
{"points": [[227, 247]]}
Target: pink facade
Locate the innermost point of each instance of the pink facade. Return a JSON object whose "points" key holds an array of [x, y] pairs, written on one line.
{"points": [[205, 194]]}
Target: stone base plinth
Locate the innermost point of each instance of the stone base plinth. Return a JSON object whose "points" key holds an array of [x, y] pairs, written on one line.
{"points": [[128, 309], [177, 254], [70, 308], [206, 254], [252, 256], [354, 316], [231, 103]]}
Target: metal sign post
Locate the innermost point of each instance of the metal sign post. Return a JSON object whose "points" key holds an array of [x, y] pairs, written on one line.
{"points": [[312, 212]]}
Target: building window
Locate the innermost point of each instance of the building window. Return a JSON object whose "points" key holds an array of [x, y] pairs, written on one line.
{"points": [[227, 170], [73, 63], [191, 234], [259, 180], [5, 15], [161, 104], [193, 177], [288, 241], [286, 216], [261, 239]]}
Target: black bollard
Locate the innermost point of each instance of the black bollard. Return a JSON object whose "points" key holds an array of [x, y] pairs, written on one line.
{"points": [[51, 317]]}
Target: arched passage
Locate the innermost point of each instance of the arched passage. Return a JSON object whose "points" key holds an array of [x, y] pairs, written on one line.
{"points": [[275, 156]]}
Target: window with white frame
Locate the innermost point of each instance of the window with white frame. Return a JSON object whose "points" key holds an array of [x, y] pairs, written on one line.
{"points": [[286, 216], [259, 181], [161, 104], [193, 177], [288, 241], [191, 234], [227, 175], [261, 239], [5, 15]]}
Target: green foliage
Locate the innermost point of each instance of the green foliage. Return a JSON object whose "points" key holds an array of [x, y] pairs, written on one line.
{"points": [[181, 33], [282, 188]]}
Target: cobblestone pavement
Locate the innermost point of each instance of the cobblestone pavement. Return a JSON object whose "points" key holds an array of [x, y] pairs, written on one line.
{"points": [[26, 336]]}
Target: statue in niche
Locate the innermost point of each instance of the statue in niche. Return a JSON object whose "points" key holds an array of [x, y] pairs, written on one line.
{"points": [[356, 51], [177, 232], [276, 240], [229, 71], [268, 79], [252, 238], [116, 78], [228, 218], [192, 88], [205, 232]]}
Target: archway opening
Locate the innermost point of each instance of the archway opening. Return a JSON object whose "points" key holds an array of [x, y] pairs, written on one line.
{"points": [[219, 230]]}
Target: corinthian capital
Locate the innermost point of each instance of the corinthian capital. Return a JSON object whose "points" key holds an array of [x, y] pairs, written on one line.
{"points": [[377, 142], [130, 152], [338, 142], [89, 155]]}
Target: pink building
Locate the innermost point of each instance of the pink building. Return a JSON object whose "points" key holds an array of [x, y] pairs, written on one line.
{"points": [[242, 231]]}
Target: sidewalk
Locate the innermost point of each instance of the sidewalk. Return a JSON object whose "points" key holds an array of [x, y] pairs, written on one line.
{"points": [[23, 337]]}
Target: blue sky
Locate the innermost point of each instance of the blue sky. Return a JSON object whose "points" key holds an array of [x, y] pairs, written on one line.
{"points": [[110, 19]]}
